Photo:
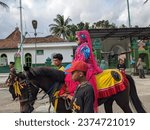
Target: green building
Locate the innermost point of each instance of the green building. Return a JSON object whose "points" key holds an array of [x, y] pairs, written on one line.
{"points": [[130, 42]]}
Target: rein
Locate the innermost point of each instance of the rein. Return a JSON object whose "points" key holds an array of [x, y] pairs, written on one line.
{"points": [[48, 92], [53, 92]]}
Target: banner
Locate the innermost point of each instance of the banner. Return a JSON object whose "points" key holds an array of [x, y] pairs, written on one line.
{"points": [[74, 121]]}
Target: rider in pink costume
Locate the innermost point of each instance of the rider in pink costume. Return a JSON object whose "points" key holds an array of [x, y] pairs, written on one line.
{"points": [[84, 53]]}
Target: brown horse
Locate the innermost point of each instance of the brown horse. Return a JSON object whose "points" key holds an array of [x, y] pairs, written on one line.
{"points": [[51, 80]]}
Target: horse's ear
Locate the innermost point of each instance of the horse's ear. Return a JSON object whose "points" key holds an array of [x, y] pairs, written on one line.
{"points": [[26, 68]]}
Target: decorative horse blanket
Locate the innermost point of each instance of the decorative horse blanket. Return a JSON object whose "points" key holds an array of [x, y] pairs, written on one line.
{"points": [[109, 82]]}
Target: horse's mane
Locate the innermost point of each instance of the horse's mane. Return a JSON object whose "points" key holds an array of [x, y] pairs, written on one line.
{"points": [[47, 72]]}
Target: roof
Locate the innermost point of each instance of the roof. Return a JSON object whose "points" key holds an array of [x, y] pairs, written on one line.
{"points": [[121, 33], [11, 42], [47, 39]]}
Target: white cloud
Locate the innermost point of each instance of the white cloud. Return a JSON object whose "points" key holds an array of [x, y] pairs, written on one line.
{"points": [[44, 11]]}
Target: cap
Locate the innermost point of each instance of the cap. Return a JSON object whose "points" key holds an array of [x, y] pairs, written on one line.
{"points": [[78, 65], [121, 58]]}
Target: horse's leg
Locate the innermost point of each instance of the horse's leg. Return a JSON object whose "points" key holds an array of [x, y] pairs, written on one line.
{"points": [[108, 106], [122, 99]]}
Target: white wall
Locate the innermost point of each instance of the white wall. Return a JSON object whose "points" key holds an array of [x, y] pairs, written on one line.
{"points": [[48, 52], [65, 48]]}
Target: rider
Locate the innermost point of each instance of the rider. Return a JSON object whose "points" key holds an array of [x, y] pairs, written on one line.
{"points": [[84, 53], [83, 99], [57, 60], [9, 81]]}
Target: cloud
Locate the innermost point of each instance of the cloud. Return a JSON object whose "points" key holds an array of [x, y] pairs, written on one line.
{"points": [[44, 11]]}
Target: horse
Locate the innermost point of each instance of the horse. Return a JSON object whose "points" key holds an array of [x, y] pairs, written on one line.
{"points": [[51, 80]]}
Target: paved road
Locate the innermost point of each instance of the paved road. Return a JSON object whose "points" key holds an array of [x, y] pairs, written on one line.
{"points": [[41, 106]]}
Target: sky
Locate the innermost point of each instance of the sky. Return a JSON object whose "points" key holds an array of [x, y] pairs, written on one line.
{"points": [[44, 11]]}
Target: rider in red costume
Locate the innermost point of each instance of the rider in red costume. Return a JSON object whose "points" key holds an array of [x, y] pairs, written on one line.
{"points": [[84, 53]]}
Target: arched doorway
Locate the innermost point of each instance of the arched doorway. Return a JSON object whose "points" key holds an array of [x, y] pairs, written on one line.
{"points": [[28, 59], [3, 60]]}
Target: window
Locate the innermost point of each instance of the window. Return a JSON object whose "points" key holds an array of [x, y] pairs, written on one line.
{"points": [[39, 52], [3, 60], [28, 59]]}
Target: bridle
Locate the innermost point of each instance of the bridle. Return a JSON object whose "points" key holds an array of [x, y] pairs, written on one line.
{"points": [[24, 90], [51, 92]]}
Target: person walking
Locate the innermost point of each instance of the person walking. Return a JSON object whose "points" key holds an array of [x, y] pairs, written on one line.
{"points": [[83, 99], [140, 67], [121, 65], [57, 60], [9, 81]]}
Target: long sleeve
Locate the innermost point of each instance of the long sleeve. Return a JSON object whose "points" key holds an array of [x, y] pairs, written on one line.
{"points": [[89, 100], [82, 53]]}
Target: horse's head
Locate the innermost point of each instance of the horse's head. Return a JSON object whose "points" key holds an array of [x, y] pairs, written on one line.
{"points": [[25, 90], [28, 93], [49, 80]]}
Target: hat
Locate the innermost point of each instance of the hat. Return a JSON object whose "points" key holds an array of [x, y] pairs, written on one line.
{"points": [[78, 65], [121, 58]]}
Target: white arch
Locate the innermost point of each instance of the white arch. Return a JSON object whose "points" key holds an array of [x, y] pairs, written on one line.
{"points": [[117, 49]]}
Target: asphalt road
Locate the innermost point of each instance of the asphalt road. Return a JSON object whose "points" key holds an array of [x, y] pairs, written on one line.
{"points": [[41, 106]]}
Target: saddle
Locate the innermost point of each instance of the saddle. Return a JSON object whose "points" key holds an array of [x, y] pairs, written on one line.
{"points": [[109, 82]]}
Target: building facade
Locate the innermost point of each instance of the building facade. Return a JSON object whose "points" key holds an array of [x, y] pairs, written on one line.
{"points": [[36, 51]]}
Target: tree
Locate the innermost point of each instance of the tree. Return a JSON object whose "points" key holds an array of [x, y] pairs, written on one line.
{"points": [[74, 28], [123, 26], [103, 24], [61, 26], [4, 5], [83, 26]]}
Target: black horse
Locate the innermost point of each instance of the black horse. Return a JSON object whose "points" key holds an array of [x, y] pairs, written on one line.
{"points": [[51, 80]]}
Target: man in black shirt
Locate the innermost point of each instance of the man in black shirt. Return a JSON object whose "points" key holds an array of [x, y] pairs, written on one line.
{"points": [[83, 99]]}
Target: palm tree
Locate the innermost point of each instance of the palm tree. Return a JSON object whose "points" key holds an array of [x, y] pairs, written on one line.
{"points": [[4, 5], [61, 28]]}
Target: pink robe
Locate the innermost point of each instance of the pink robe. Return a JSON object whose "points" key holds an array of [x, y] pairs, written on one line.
{"points": [[92, 70]]}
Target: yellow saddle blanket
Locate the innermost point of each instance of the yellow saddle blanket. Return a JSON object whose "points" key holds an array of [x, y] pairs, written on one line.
{"points": [[109, 82]]}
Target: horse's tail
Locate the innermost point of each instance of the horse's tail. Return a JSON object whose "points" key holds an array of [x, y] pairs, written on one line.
{"points": [[134, 97]]}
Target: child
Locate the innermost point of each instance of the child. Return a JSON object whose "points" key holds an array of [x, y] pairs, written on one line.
{"points": [[83, 99], [57, 60]]}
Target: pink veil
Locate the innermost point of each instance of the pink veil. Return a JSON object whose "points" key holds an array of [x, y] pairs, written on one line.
{"points": [[85, 37]]}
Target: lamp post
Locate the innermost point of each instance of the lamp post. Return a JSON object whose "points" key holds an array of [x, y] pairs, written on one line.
{"points": [[34, 24], [129, 19], [21, 38]]}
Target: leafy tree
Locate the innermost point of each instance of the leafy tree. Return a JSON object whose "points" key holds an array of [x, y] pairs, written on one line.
{"points": [[73, 28], [123, 26], [82, 26], [103, 24], [61, 26]]}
